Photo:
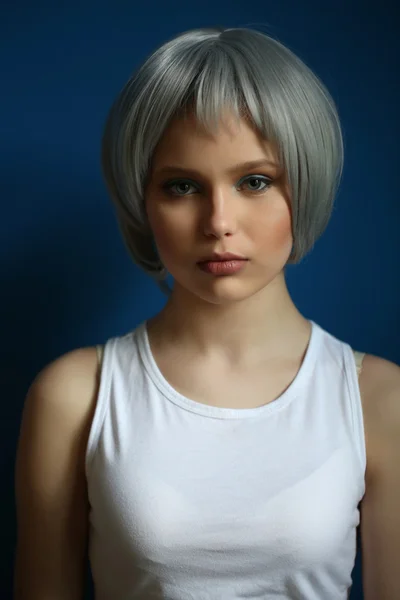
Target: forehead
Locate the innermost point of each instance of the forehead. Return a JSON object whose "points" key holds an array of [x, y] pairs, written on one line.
{"points": [[231, 137]]}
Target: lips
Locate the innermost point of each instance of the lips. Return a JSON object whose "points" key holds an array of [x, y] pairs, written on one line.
{"points": [[220, 257], [222, 267]]}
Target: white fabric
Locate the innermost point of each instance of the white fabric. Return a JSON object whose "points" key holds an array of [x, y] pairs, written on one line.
{"points": [[189, 501]]}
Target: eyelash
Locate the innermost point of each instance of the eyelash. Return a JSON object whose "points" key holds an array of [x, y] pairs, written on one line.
{"points": [[170, 184]]}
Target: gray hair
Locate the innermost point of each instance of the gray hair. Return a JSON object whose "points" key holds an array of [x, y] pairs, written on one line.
{"points": [[208, 71]]}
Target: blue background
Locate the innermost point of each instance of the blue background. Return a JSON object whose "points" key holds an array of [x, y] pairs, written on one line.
{"points": [[66, 280]]}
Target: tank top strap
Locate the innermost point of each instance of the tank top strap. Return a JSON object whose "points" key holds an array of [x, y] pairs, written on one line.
{"points": [[99, 350], [359, 357]]}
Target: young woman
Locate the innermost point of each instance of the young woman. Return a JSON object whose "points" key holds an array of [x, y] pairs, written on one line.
{"points": [[228, 447]]}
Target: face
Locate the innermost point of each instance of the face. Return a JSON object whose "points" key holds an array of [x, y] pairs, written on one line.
{"points": [[205, 202]]}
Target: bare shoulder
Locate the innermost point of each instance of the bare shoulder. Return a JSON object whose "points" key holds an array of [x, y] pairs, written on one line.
{"points": [[58, 412], [380, 517], [379, 385], [73, 375], [380, 393], [67, 388], [50, 479]]}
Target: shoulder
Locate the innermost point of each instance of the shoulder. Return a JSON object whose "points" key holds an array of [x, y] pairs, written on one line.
{"points": [[380, 387], [380, 523], [380, 393], [50, 480], [75, 371], [63, 394]]}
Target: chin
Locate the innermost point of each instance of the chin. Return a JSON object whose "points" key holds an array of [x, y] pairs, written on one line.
{"points": [[225, 290]]}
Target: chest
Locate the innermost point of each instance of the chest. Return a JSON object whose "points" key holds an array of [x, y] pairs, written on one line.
{"points": [[215, 385], [216, 500], [211, 384]]}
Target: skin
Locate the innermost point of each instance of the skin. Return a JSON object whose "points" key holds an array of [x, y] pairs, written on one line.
{"points": [[238, 318]]}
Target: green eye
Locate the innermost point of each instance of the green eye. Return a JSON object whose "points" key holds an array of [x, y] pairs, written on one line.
{"points": [[261, 179], [179, 182]]}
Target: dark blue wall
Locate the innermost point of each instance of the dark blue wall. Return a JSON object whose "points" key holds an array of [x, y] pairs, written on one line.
{"points": [[66, 280]]}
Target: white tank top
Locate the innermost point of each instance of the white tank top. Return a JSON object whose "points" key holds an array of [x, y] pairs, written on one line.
{"points": [[194, 502]]}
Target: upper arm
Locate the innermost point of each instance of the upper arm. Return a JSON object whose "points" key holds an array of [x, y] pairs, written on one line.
{"points": [[50, 481], [380, 507]]}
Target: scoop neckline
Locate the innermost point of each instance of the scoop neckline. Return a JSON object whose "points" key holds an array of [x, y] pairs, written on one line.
{"points": [[168, 391]]}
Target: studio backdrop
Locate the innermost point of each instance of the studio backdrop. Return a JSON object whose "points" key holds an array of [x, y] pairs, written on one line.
{"points": [[66, 279]]}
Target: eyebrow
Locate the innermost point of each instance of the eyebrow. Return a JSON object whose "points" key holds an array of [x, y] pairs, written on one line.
{"points": [[233, 170]]}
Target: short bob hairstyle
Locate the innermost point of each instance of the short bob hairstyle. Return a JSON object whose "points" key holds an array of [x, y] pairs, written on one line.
{"points": [[206, 72]]}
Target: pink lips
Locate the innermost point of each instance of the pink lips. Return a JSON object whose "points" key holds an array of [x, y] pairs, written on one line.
{"points": [[221, 256], [223, 267]]}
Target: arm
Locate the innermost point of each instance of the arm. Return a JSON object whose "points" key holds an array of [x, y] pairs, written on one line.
{"points": [[380, 508], [50, 482]]}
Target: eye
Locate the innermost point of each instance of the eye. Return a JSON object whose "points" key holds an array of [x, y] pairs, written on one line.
{"points": [[259, 179], [185, 183]]}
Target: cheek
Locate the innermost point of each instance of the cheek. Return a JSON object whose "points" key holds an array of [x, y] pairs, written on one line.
{"points": [[171, 234], [274, 229]]}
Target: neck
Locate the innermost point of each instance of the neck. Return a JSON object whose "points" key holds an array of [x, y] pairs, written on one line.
{"points": [[266, 325]]}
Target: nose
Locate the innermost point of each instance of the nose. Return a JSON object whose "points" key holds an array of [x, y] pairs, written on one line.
{"points": [[220, 219]]}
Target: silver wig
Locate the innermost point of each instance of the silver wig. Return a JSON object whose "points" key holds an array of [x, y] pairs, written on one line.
{"points": [[208, 71]]}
